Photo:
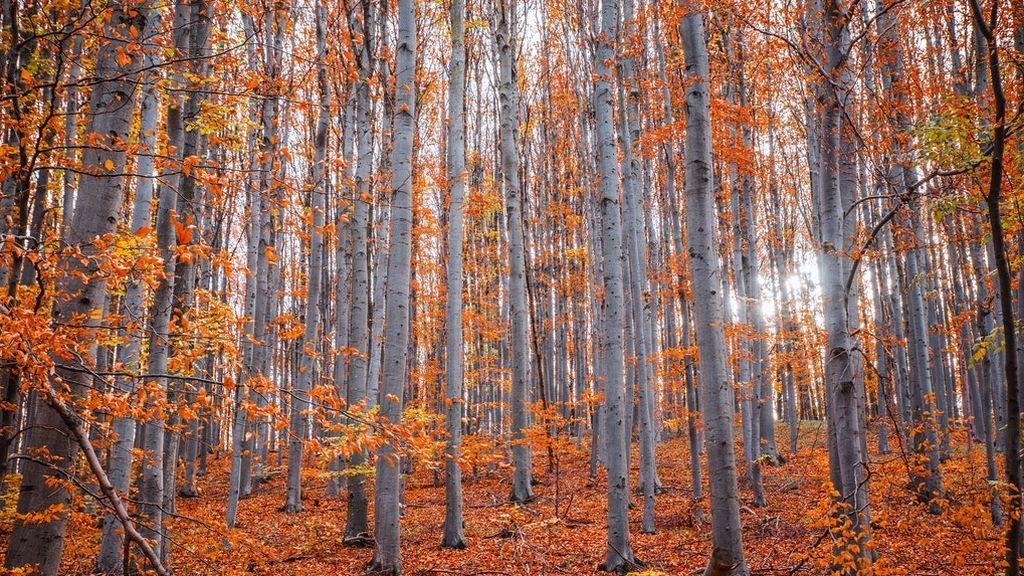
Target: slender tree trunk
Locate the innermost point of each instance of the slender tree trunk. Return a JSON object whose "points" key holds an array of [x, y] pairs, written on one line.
{"points": [[110, 559], [454, 536], [993, 197], [151, 480], [189, 214], [387, 554], [619, 556], [841, 390], [508, 97], [709, 314], [356, 519], [639, 289], [691, 404], [318, 197]]}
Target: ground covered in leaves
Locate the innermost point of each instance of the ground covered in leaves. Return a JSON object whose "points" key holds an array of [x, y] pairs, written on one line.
{"points": [[563, 530]]}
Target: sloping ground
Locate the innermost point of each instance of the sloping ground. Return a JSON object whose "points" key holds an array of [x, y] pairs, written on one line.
{"points": [[787, 537]]}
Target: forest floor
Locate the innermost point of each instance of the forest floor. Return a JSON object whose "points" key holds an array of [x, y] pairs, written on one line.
{"points": [[787, 537]]}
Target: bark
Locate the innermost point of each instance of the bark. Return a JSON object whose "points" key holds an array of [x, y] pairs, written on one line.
{"points": [[925, 476], [151, 481], [691, 403], [189, 202], [639, 288], [318, 196], [387, 555], [619, 556], [356, 522], [508, 98], [110, 559], [882, 364], [845, 419], [268, 279], [255, 264], [993, 197], [342, 280], [709, 314], [454, 532]]}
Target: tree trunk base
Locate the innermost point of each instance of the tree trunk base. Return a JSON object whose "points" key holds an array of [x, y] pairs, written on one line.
{"points": [[360, 540], [379, 569], [188, 491], [621, 566], [458, 543]]}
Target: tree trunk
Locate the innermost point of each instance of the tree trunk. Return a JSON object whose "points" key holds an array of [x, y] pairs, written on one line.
{"points": [[387, 554], [110, 559], [318, 196], [709, 314], [151, 480], [993, 197], [508, 97], [454, 533], [845, 420], [619, 556], [639, 289], [356, 519]]}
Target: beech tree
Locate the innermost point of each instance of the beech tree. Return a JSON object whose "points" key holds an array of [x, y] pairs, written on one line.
{"points": [[508, 95], [387, 554], [619, 556], [706, 278], [453, 522]]}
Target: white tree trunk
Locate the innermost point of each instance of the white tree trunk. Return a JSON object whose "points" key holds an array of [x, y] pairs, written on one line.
{"points": [[82, 290], [356, 522], [110, 559], [454, 532], [619, 553], [303, 381], [387, 555], [709, 314], [508, 97], [846, 458], [151, 480], [639, 289]]}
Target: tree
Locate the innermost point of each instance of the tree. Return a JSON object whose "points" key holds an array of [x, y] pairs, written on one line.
{"points": [[993, 197], [356, 524], [706, 281], [508, 97], [846, 459], [110, 560], [318, 197], [619, 556], [454, 536], [639, 288], [387, 554]]}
